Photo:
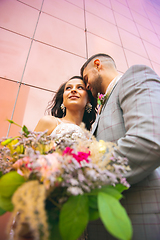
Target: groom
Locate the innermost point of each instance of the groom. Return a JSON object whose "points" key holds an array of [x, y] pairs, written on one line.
{"points": [[130, 117]]}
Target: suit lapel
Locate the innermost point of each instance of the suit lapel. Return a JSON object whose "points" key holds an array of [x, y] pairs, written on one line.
{"points": [[95, 125]]}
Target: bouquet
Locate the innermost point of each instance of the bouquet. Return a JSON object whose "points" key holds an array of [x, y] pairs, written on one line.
{"points": [[55, 187]]}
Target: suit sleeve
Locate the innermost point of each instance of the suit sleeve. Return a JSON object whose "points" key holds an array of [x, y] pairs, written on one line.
{"points": [[139, 100]]}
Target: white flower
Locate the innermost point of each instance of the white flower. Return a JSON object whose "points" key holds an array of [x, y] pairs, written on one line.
{"points": [[75, 190], [74, 182]]}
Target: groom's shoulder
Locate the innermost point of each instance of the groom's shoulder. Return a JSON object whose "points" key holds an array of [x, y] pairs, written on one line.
{"points": [[138, 69], [138, 73]]}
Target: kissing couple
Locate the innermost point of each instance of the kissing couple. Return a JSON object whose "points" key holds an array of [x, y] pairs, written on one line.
{"points": [[129, 115]]}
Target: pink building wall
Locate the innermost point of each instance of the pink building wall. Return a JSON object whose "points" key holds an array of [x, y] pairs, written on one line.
{"points": [[45, 42]]}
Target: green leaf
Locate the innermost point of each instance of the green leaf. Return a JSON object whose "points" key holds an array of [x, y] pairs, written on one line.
{"points": [[9, 183], [7, 141], [113, 192], [107, 189], [53, 226], [93, 214], [114, 217], [98, 101], [25, 130], [2, 211], [12, 122], [93, 208], [1, 174], [93, 202], [120, 187], [74, 217], [6, 204], [54, 231]]}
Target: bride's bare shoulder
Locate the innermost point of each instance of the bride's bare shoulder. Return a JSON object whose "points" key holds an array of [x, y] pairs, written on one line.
{"points": [[48, 118], [46, 123]]}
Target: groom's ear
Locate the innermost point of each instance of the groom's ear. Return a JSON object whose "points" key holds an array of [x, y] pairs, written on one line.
{"points": [[97, 64]]}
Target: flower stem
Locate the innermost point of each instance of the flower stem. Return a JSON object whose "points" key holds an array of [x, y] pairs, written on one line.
{"points": [[55, 203]]}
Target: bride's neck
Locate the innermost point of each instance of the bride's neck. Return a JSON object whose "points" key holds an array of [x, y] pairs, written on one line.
{"points": [[73, 117]]}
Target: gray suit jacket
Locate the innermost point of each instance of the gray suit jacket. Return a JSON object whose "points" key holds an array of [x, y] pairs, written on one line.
{"points": [[131, 117]]}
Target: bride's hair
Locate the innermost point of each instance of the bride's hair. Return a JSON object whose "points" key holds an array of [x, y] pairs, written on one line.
{"points": [[54, 106]]}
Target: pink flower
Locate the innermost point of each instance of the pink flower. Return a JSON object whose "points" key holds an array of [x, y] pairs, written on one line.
{"points": [[22, 162], [53, 159], [67, 150], [18, 163], [22, 166], [81, 156], [100, 96], [49, 163], [27, 161]]}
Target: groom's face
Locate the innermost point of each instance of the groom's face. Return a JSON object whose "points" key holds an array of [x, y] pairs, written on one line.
{"points": [[93, 80]]}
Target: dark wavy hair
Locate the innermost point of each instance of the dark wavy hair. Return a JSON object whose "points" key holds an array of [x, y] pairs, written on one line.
{"points": [[54, 106]]}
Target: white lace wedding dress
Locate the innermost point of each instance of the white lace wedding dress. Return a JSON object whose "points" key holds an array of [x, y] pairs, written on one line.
{"points": [[70, 130]]}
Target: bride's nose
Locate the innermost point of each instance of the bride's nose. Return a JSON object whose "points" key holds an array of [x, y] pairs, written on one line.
{"points": [[73, 90]]}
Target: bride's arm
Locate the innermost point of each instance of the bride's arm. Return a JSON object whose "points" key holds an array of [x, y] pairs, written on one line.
{"points": [[46, 123]]}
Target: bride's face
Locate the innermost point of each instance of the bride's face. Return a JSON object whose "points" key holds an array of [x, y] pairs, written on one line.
{"points": [[75, 94]]}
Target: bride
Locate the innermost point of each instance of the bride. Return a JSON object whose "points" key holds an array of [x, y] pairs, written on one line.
{"points": [[71, 105]]}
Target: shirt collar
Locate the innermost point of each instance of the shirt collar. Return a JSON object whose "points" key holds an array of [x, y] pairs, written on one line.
{"points": [[112, 84]]}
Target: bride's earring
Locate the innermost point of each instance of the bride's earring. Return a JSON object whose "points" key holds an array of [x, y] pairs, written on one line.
{"points": [[89, 107], [63, 108]]}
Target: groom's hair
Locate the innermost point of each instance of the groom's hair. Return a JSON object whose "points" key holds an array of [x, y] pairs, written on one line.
{"points": [[99, 55], [54, 106]]}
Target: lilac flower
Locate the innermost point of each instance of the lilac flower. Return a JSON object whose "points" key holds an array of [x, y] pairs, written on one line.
{"points": [[75, 191]]}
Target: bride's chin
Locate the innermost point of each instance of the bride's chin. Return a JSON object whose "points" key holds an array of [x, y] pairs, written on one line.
{"points": [[75, 107]]}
